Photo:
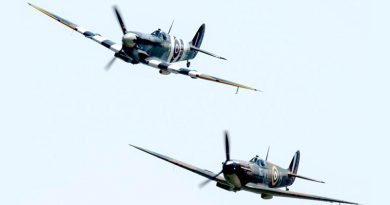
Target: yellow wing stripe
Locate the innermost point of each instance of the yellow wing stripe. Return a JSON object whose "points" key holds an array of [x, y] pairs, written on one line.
{"points": [[55, 17]]}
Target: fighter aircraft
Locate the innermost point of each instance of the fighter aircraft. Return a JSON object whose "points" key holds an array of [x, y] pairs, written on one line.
{"points": [[158, 49], [258, 175]]}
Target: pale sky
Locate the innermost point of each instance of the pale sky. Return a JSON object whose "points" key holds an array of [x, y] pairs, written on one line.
{"points": [[66, 123]]}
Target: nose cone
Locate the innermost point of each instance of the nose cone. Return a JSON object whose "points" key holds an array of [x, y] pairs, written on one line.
{"points": [[129, 40], [230, 172], [230, 167]]}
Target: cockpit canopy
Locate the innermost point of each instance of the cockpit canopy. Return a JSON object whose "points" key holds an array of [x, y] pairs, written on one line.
{"points": [[257, 160], [160, 34]]}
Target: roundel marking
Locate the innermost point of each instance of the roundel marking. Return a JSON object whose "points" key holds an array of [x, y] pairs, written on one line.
{"points": [[275, 175], [177, 48]]}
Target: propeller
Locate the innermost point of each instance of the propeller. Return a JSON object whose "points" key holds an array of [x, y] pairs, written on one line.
{"points": [[138, 38], [124, 30], [109, 64], [130, 40], [120, 20], [227, 153], [201, 185], [227, 146]]}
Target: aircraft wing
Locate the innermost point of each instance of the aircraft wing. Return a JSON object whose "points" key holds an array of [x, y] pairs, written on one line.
{"points": [[173, 68], [94, 36], [261, 189], [202, 172]]}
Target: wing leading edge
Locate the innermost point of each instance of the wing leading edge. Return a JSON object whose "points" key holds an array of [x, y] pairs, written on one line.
{"points": [[88, 34], [260, 189], [202, 172]]}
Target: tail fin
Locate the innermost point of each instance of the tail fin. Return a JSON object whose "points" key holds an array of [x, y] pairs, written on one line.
{"points": [[293, 168], [198, 38], [197, 41]]}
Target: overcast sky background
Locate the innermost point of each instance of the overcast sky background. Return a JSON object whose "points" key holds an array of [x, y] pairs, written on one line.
{"points": [[66, 123]]}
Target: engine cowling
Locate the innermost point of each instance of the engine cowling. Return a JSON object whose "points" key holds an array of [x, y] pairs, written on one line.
{"points": [[129, 40]]}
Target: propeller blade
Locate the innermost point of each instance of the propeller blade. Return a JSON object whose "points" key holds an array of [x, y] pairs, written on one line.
{"points": [[201, 185], [227, 152], [109, 64], [227, 146], [120, 20]]}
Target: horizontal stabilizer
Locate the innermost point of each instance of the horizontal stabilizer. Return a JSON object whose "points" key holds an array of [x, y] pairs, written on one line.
{"points": [[206, 52], [302, 177]]}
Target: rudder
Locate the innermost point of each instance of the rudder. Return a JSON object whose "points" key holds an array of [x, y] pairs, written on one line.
{"points": [[198, 38], [293, 168]]}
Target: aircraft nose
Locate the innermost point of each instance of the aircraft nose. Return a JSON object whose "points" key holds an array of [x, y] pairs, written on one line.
{"points": [[129, 39], [230, 167]]}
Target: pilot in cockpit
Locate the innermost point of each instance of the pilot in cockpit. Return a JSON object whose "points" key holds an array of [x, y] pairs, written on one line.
{"points": [[160, 34], [254, 159], [157, 32], [258, 161]]}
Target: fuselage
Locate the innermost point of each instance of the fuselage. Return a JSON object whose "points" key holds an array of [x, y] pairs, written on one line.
{"points": [[158, 44], [257, 171]]}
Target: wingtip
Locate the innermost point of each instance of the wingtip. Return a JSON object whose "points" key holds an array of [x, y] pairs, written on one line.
{"points": [[353, 203], [249, 88], [256, 90], [136, 147], [133, 146], [32, 5]]}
